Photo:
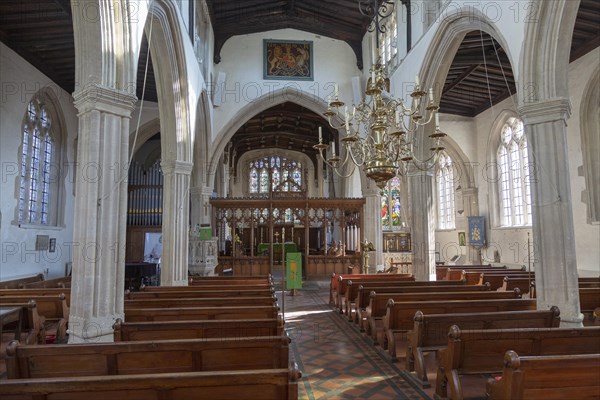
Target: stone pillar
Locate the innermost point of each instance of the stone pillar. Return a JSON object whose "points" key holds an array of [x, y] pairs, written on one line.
{"points": [[372, 229], [196, 209], [100, 212], [175, 228], [471, 208], [201, 210], [423, 226], [556, 277]]}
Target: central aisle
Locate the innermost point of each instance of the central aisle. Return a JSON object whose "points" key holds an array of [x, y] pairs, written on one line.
{"points": [[335, 360]]}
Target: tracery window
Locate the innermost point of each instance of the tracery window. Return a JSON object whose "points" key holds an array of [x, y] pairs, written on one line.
{"points": [[389, 41], [513, 167], [38, 153], [445, 192], [274, 173]]}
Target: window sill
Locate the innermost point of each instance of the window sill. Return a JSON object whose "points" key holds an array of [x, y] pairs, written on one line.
{"points": [[39, 227], [446, 230], [504, 228]]}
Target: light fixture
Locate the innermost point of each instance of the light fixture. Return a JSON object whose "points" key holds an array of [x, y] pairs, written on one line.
{"points": [[381, 133]]}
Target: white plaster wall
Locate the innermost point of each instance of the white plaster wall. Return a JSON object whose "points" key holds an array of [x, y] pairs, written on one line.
{"points": [[20, 81], [587, 237], [511, 243], [242, 61], [509, 18]]}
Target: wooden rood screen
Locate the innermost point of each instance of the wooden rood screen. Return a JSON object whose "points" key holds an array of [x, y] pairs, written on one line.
{"points": [[251, 230]]}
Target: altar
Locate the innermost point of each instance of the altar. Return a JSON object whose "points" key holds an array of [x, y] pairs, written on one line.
{"points": [[262, 249]]}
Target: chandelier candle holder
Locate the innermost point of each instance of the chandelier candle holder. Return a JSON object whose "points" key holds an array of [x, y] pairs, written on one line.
{"points": [[381, 133]]}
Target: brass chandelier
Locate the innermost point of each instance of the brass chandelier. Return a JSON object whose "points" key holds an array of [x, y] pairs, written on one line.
{"points": [[381, 132]]}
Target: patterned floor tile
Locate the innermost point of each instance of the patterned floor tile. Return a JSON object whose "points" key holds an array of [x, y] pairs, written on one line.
{"points": [[336, 361]]}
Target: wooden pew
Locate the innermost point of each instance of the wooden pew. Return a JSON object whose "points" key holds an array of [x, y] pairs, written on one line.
{"points": [[342, 283], [403, 289], [29, 322], [203, 302], [209, 287], [37, 292], [199, 294], [200, 313], [554, 377], [146, 357], [163, 330], [482, 351], [378, 306], [497, 280], [524, 284], [266, 384], [365, 288], [333, 284], [351, 292], [53, 308], [456, 274], [429, 332], [589, 304], [589, 299], [18, 282], [233, 280], [64, 282], [440, 271]]}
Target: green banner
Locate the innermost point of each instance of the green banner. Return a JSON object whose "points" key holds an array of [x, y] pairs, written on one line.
{"points": [[293, 267]]}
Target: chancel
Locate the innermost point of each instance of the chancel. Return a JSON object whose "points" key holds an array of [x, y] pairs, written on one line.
{"points": [[279, 199]]}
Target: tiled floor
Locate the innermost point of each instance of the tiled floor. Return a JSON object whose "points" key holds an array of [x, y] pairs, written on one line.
{"points": [[336, 361]]}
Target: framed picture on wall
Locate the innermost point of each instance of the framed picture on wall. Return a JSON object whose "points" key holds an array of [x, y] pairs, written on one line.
{"points": [[462, 239], [288, 59]]}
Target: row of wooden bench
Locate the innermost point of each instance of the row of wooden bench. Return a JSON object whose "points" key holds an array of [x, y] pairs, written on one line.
{"points": [[171, 347], [421, 318]]}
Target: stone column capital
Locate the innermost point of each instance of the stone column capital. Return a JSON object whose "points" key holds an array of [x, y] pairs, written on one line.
{"points": [[372, 192], [196, 191], [207, 190], [545, 111], [176, 167], [95, 96]]}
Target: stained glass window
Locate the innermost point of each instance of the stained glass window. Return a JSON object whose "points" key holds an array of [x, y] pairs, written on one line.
{"points": [[391, 207], [513, 169], [274, 173]]}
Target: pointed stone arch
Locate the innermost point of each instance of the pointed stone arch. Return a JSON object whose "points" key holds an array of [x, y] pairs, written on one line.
{"points": [[545, 54], [268, 100], [166, 36]]}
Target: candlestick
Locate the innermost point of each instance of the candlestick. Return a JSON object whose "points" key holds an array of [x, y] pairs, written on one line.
{"points": [[333, 147], [373, 76], [336, 90], [398, 117], [437, 121], [417, 81], [431, 95], [373, 47], [320, 135]]}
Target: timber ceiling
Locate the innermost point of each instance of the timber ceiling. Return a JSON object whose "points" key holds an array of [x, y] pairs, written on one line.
{"points": [[41, 31], [480, 74], [338, 19], [287, 126]]}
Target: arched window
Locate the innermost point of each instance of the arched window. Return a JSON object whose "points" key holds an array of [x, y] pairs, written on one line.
{"points": [[274, 173], [389, 41], [513, 167], [445, 192], [391, 207], [39, 177]]}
